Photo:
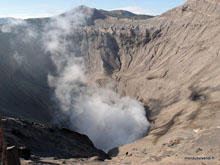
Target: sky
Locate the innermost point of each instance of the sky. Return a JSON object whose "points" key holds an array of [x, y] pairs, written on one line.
{"points": [[44, 8]]}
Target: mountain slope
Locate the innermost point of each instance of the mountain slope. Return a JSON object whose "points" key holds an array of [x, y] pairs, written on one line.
{"points": [[176, 74], [171, 64]]}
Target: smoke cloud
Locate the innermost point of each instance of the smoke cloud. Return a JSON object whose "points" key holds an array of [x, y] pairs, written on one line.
{"points": [[107, 119], [18, 58]]}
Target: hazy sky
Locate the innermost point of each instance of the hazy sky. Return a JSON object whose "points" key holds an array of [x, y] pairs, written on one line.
{"points": [[41, 8]]}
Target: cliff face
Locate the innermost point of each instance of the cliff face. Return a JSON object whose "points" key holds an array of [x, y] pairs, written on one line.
{"points": [[171, 64], [40, 140], [37, 141], [24, 91]]}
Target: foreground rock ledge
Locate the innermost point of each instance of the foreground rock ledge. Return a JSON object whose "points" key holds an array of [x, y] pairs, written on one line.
{"points": [[44, 141]]}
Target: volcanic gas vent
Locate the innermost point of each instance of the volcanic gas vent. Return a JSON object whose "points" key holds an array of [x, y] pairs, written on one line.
{"points": [[100, 113]]}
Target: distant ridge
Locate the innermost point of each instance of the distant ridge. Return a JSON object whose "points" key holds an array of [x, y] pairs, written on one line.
{"points": [[125, 14], [102, 14], [96, 14], [6, 20]]}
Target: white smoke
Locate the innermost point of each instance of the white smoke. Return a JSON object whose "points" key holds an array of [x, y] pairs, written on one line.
{"points": [[21, 28], [18, 58], [12, 25], [109, 120]]}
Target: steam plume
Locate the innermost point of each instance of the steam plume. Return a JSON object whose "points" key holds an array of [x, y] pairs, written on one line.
{"points": [[106, 118], [100, 113]]}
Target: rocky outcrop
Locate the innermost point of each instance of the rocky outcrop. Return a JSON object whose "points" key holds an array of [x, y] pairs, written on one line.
{"points": [[34, 140], [13, 156], [3, 147]]}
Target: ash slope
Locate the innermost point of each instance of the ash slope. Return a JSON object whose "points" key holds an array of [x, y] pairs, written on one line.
{"points": [[171, 63]]}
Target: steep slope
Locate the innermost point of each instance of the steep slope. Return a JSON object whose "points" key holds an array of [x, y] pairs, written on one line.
{"points": [[23, 84], [176, 74], [171, 64], [39, 140]]}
